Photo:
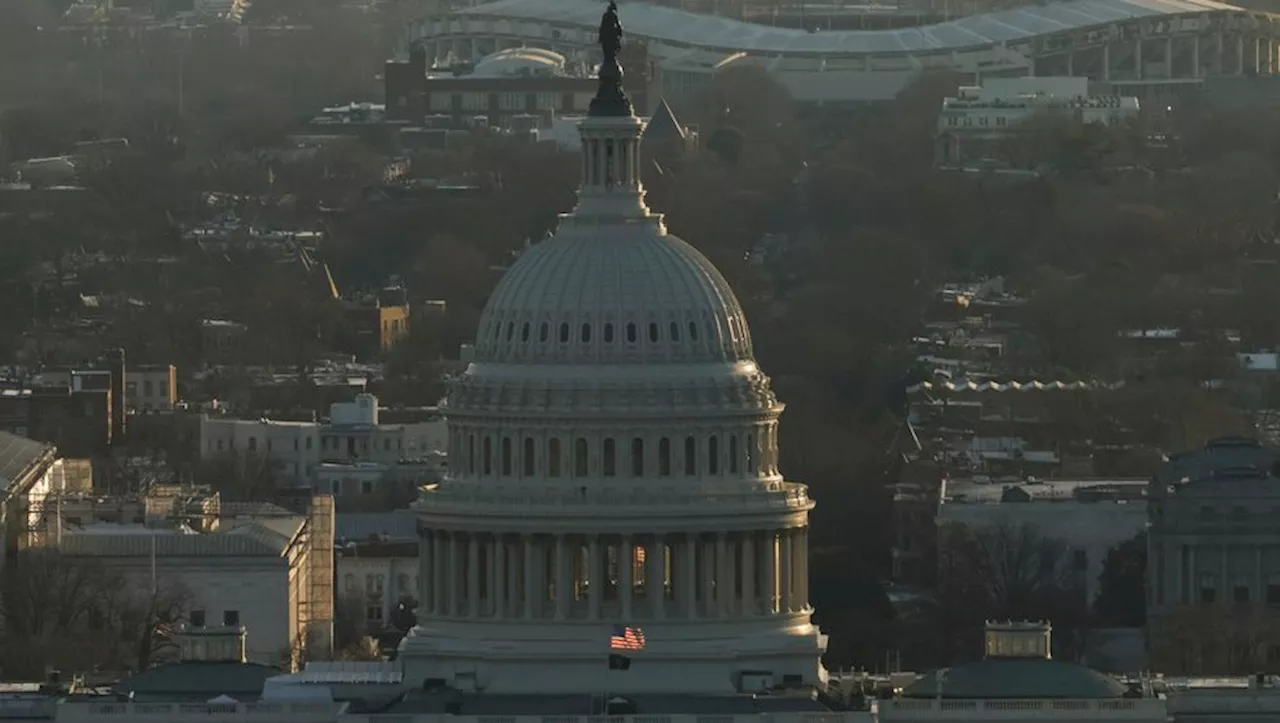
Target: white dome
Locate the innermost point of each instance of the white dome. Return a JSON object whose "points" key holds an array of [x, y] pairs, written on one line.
{"points": [[631, 295], [520, 62]]}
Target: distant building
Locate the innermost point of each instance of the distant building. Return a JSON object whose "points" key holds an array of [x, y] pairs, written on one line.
{"points": [[973, 124], [351, 436], [500, 86], [379, 321], [377, 564], [1213, 560]]}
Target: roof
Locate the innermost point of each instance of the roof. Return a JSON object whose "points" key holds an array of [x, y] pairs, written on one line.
{"points": [[256, 538], [1017, 678], [398, 525], [200, 680], [17, 457], [707, 31], [664, 126], [1224, 453]]}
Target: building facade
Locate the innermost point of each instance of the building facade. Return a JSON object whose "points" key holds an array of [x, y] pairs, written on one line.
{"points": [[1213, 560], [614, 460]]}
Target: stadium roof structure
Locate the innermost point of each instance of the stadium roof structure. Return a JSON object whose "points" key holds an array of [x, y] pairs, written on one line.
{"points": [[717, 33]]}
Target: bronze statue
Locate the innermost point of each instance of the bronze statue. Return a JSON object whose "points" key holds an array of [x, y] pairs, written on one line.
{"points": [[610, 32], [611, 99]]}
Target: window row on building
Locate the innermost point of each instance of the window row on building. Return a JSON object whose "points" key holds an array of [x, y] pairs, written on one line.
{"points": [[733, 454], [630, 333]]}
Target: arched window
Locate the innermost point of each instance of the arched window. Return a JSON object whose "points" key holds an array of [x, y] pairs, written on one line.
{"points": [[497, 332], [637, 457], [733, 454], [580, 458], [511, 330], [543, 331], [586, 333], [690, 456], [471, 454], [653, 331], [631, 333], [713, 455], [524, 331], [608, 333], [528, 457], [751, 454], [553, 457], [564, 333], [664, 457], [506, 456], [610, 458], [488, 454], [674, 332], [693, 331]]}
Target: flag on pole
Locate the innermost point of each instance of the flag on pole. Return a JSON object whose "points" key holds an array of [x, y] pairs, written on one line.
{"points": [[626, 638]]}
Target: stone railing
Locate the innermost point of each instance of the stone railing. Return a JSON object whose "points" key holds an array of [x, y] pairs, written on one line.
{"points": [[89, 712], [454, 495], [847, 717], [1022, 709]]}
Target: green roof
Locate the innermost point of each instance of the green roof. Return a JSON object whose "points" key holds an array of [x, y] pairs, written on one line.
{"points": [[198, 680], [1017, 678]]}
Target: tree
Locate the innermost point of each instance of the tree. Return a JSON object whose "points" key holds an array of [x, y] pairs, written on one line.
{"points": [[1121, 600], [1006, 571]]}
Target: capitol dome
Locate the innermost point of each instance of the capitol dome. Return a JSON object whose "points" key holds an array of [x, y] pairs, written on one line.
{"points": [[613, 461]]}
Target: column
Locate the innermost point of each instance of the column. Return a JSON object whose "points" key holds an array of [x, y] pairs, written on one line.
{"points": [[1224, 584], [1260, 591], [748, 545], [1168, 57], [1106, 61], [689, 585], [437, 573], [499, 577], [562, 578], [802, 569], [513, 578], [424, 572], [455, 573], [626, 566], [656, 587], [529, 553], [595, 577], [769, 584], [1195, 56], [491, 559], [1071, 62], [724, 575], [1239, 54], [709, 574], [785, 559], [473, 575]]}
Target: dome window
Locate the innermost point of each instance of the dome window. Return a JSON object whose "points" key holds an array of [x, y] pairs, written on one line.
{"points": [[693, 331], [690, 456], [733, 454], [553, 457], [637, 457], [580, 458], [471, 454], [675, 331], [751, 454], [586, 333], [488, 455], [610, 458], [528, 461], [664, 457], [653, 332], [543, 331], [713, 455], [608, 333], [524, 332], [564, 333], [631, 333], [506, 456], [511, 330]]}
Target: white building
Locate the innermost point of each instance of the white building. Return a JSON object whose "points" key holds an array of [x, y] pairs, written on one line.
{"points": [[980, 116], [353, 434], [1089, 516], [377, 563], [255, 570], [614, 460]]}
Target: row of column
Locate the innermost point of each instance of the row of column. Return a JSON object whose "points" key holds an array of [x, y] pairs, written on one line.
{"points": [[614, 577]]}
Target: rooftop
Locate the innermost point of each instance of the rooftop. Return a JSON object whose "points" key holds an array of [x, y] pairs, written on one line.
{"points": [[17, 456], [708, 31], [256, 538], [985, 490]]}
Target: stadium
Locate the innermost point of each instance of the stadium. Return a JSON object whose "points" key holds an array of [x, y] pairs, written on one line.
{"points": [[1137, 47]]}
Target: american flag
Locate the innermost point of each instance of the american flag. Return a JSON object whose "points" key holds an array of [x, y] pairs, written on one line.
{"points": [[626, 638]]}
